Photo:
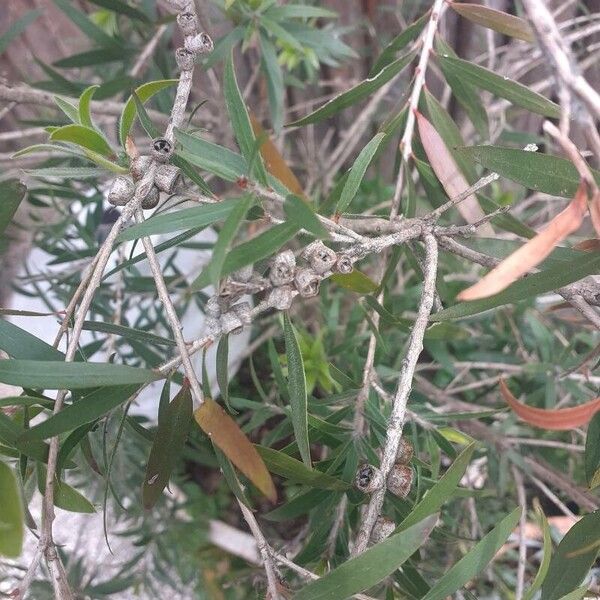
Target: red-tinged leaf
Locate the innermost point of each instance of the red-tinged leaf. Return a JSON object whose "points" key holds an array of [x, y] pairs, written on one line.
{"points": [[592, 245], [533, 252], [560, 419], [595, 211], [495, 19], [229, 438], [447, 171], [274, 161]]}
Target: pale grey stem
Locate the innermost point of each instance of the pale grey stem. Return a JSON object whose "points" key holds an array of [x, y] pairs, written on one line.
{"points": [[264, 549], [174, 322], [147, 52], [396, 420]]}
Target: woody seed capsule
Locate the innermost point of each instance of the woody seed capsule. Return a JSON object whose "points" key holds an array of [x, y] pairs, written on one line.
{"points": [[243, 312], [213, 307], [162, 149], [199, 44], [231, 323], [344, 264], [188, 23], [400, 480], [307, 283], [405, 452], [185, 59], [368, 479], [281, 297], [166, 177], [151, 199], [382, 529], [320, 257], [121, 191], [139, 166], [283, 268]]}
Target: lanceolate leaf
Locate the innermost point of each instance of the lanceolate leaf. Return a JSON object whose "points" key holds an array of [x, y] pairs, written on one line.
{"points": [[65, 496], [475, 560], [298, 211], [545, 562], [560, 419], [229, 438], [85, 116], [573, 558], [54, 375], [370, 567], [240, 122], [514, 92], [355, 281], [144, 93], [538, 283], [442, 491], [12, 193], [11, 514], [495, 19], [533, 252], [169, 440], [86, 137], [86, 409], [21, 344], [592, 450], [297, 390], [357, 93], [357, 172], [540, 172]]}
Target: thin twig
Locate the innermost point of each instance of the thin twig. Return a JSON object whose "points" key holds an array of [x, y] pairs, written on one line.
{"points": [[522, 498]]}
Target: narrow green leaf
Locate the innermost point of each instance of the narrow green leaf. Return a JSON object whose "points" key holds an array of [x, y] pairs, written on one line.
{"points": [[86, 409], [121, 7], [226, 236], [475, 560], [545, 562], [356, 281], [514, 92], [399, 43], [10, 434], [370, 567], [577, 594], [540, 172], [144, 93], [65, 496], [285, 466], [298, 211], [11, 514], [527, 288], [359, 92], [187, 218], [274, 77], [128, 333], [262, 246], [495, 19], [21, 344], [240, 122], [573, 558], [168, 444], [17, 28], [69, 109], [54, 375], [442, 491], [12, 193], [592, 449], [357, 172], [85, 115], [222, 368], [92, 58], [87, 26], [67, 172], [86, 137], [297, 390], [298, 506]]}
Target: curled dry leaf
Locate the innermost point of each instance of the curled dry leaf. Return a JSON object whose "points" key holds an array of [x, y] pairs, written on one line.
{"points": [[447, 171], [533, 252], [595, 210], [229, 438], [561, 419]]}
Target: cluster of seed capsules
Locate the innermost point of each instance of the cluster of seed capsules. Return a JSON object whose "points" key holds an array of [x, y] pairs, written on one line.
{"points": [[165, 175], [399, 482]]}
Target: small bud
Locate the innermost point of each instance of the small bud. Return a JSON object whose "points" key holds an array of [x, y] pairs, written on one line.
{"points": [[368, 479], [281, 298], [188, 23], [199, 44], [231, 323], [344, 264], [405, 452], [400, 480], [283, 268], [139, 166], [151, 199], [307, 282], [162, 149], [243, 311], [185, 59], [121, 191], [320, 257], [382, 529], [166, 177], [244, 274]]}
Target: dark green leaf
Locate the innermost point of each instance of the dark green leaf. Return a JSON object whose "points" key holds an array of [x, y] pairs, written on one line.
{"points": [[545, 562], [12, 193], [298, 211], [297, 390], [168, 443], [370, 567], [11, 514], [592, 449], [121, 7], [128, 333], [65, 496], [91, 58], [21, 344]]}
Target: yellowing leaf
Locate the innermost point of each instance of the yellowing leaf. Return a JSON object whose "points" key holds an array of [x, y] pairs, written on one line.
{"points": [[533, 252], [229, 438], [355, 281], [561, 419], [447, 171]]}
